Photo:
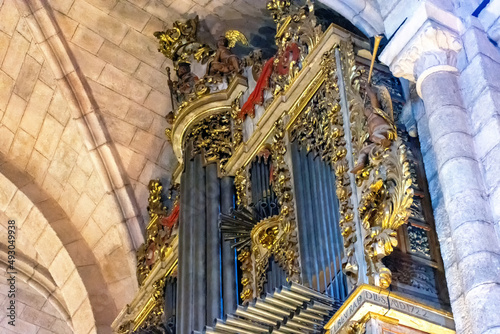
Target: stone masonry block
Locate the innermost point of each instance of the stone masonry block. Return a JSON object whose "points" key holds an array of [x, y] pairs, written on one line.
{"points": [[132, 161], [98, 21], [131, 15], [7, 191], [6, 139], [147, 143], [49, 137], [488, 137], [476, 236], [90, 65], [14, 112], [486, 301], [15, 53], [74, 292], [494, 200], [121, 131], [139, 116], [478, 269], [118, 57], [21, 148], [486, 106], [441, 89], [66, 24], [153, 78], [143, 48], [7, 84], [27, 78], [159, 8], [87, 39], [10, 16], [37, 317], [19, 207], [81, 323], [4, 44], [158, 102], [48, 245], [63, 162], [124, 84], [482, 72], [107, 213], [91, 233], [36, 110], [459, 174], [453, 145], [491, 168], [476, 42], [83, 210]]}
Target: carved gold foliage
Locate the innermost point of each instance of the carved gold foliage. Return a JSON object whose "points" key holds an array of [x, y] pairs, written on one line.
{"points": [[285, 251], [158, 236], [297, 35], [151, 315], [352, 78], [312, 129], [237, 121], [241, 185], [340, 166], [387, 195], [245, 258], [212, 137], [180, 42]]}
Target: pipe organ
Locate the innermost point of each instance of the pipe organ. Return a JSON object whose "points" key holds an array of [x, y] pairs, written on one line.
{"points": [[299, 204]]}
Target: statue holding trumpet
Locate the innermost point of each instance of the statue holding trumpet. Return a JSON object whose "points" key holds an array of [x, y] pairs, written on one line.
{"points": [[379, 117]]}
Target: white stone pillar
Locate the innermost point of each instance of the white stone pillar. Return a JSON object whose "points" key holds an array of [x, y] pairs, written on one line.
{"points": [[470, 246]]}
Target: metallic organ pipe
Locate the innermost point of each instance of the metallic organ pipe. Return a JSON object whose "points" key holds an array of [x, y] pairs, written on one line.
{"points": [[304, 233], [317, 214], [238, 322], [242, 313], [181, 270], [310, 220], [213, 264], [325, 215], [199, 240], [229, 293]]}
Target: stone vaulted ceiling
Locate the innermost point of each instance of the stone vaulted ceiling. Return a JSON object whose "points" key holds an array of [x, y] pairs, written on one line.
{"points": [[83, 99]]}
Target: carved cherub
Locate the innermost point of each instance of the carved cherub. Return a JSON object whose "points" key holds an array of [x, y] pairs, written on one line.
{"points": [[225, 61], [380, 122]]}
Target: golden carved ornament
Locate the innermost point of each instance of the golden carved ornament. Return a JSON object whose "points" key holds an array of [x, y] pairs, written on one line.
{"points": [[285, 250], [180, 42], [340, 166], [387, 196], [158, 234], [241, 185], [385, 181], [237, 121], [212, 136]]}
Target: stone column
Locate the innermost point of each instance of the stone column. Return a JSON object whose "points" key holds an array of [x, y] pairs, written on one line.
{"points": [[470, 246]]}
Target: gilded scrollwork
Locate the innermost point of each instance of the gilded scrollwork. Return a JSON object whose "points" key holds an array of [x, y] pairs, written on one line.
{"points": [[242, 187], [340, 165], [237, 121], [212, 136], [286, 251], [383, 176], [160, 230], [384, 206]]}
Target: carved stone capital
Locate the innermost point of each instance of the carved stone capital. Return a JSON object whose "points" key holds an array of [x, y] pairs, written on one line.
{"points": [[429, 39], [433, 46]]}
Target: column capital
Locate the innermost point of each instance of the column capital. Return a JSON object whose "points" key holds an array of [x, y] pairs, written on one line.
{"points": [[429, 40]]}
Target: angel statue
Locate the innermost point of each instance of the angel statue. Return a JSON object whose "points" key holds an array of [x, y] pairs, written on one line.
{"points": [[225, 62], [380, 121]]}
